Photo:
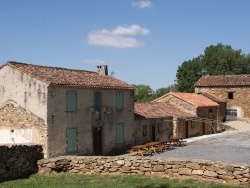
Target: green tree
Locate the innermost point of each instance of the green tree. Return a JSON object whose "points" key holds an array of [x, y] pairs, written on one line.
{"points": [[216, 60], [189, 73], [162, 91], [143, 93]]}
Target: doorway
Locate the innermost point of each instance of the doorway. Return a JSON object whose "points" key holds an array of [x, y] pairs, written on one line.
{"points": [[186, 129], [97, 141], [153, 133]]}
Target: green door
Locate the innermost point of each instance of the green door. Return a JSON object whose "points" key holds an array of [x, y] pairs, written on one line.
{"points": [[71, 141]]}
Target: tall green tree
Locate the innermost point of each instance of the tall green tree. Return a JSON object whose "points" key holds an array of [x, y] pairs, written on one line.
{"points": [[216, 60], [162, 91], [189, 73]]}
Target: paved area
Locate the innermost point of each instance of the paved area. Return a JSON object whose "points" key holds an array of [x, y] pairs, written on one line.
{"points": [[231, 146]]}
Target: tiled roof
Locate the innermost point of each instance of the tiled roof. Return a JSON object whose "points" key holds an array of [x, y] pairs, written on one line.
{"points": [[213, 98], [192, 98], [56, 76], [225, 80], [159, 110]]}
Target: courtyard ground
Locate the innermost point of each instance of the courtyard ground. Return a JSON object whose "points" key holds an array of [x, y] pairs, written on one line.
{"points": [[230, 146]]}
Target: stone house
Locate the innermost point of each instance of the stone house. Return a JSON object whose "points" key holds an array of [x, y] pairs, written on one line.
{"points": [[235, 89], [158, 121], [66, 111], [205, 113]]}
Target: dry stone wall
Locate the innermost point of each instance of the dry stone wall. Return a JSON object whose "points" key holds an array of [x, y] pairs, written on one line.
{"points": [[17, 161], [203, 170]]}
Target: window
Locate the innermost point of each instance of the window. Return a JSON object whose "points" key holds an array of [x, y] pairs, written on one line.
{"points": [[230, 95], [71, 101], [97, 106], [71, 140], [119, 133], [119, 100], [145, 130]]}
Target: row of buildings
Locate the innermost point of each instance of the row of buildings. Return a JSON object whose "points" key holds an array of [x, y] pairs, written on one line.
{"points": [[91, 113]]}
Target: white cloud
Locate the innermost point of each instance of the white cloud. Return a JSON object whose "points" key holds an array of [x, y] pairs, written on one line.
{"points": [[95, 62], [142, 4], [117, 37]]}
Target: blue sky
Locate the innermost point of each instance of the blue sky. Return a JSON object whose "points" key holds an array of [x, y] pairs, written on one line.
{"points": [[141, 41]]}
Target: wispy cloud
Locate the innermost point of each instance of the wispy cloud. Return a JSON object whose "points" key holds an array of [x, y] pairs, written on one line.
{"points": [[95, 62], [117, 37], [142, 4]]}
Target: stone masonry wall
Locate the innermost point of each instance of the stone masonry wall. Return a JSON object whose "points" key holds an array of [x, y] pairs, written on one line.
{"points": [[196, 169], [18, 161], [15, 120]]}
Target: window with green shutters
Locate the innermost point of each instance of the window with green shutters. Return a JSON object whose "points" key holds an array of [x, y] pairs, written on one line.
{"points": [[119, 133], [119, 100], [71, 140], [71, 101]]}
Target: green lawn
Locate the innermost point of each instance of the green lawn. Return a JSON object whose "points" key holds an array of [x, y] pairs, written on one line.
{"points": [[103, 181]]}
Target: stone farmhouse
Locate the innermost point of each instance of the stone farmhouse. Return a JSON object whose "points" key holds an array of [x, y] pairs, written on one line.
{"points": [[206, 111], [235, 89], [66, 111], [158, 121]]}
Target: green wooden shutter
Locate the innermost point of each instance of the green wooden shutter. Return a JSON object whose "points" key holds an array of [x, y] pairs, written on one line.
{"points": [[71, 101], [119, 100], [71, 142], [119, 133]]}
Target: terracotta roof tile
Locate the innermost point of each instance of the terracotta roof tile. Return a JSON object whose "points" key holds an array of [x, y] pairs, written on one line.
{"points": [[159, 110], [225, 80], [213, 98], [56, 76], [192, 98]]}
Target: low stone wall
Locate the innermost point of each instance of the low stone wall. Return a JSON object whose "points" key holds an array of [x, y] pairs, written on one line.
{"points": [[203, 170], [18, 161]]}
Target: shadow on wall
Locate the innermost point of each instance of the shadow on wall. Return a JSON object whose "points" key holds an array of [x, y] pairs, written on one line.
{"points": [[19, 161]]}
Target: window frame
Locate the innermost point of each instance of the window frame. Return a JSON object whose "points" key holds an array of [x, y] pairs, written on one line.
{"points": [[119, 139], [145, 130], [71, 97], [119, 100]]}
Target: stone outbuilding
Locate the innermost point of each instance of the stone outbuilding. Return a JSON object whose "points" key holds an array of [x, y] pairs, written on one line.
{"points": [[66, 111], [235, 89], [205, 112], [159, 121]]}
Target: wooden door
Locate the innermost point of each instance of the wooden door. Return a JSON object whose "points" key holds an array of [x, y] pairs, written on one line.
{"points": [[186, 130], [153, 133], [97, 141], [203, 128], [71, 140]]}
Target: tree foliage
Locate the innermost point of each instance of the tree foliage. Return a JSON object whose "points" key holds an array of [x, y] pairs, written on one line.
{"points": [[216, 60], [144, 93]]}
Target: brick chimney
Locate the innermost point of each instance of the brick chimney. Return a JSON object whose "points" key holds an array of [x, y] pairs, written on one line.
{"points": [[102, 70]]}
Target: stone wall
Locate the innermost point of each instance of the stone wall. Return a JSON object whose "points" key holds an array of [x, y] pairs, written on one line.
{"points": [[19, 161], [240, 99], [196, 169], [17, 126]]}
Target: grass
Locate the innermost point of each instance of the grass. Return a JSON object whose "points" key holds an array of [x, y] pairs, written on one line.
{"points": [[106, 181]]}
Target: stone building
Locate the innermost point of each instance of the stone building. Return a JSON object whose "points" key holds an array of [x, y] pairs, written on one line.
{"points": [[158, 121], [235, 89], [205, 113], [66, 111]]}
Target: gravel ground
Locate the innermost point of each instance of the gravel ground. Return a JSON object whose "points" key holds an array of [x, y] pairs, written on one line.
{"points": [[231, 146]]}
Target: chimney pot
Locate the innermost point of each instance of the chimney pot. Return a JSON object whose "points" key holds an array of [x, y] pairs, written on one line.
{"points": [[102, 70]]}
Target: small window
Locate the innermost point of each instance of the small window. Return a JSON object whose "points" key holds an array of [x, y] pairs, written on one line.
{"points": [[71, 101], [119, 100], [119, 133], [230, 95], [145, 130]]}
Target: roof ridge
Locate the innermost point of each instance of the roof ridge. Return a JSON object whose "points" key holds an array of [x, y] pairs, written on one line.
{"points": [[61, 68]]}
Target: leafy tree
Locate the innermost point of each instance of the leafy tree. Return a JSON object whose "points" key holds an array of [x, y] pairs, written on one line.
{"points": [[217, 60], [143, 93], [189, 73], [162, 91]]}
